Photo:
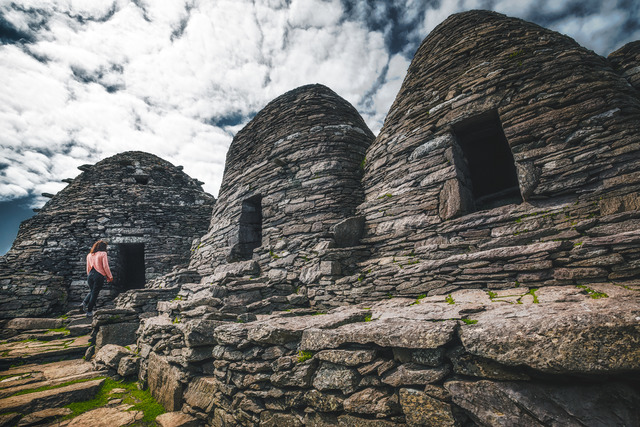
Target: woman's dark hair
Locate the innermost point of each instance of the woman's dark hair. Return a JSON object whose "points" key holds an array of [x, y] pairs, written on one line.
{"points": [[99, 246]]}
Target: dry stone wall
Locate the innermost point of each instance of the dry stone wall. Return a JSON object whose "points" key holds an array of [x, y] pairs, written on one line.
{"points": [[473, 358], [148, 211]]}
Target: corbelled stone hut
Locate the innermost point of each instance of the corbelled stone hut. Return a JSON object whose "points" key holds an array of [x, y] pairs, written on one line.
{"points": [[291, 175], [510, 156], [148, 211]]}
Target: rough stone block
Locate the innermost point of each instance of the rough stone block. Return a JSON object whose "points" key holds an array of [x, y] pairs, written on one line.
{"points": [[165, 382], [25, 324], [385, 333], [128, 366], [347, 357], [177, 419], [110, 356], [412, 374], [348, 232], [336, 377], [116, 333], [421, 409], [372, 401], [323, 402], [524, 403]]}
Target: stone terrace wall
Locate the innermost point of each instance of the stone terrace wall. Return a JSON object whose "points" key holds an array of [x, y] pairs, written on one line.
{"points": [[626, 61], [572, 125], [302, 155], [434, 362], [132, 197]]}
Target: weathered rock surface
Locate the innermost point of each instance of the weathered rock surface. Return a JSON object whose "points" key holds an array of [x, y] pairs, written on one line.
{"points": [[386, 333], [34, 351], [420, 409], [177, 419], [589, 337], [107, 417], [53, 398], [521, 403], [110, 356], [165, 383]]}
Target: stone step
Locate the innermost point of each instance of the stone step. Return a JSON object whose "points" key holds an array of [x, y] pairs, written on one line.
{"points": [[22, 352], [54, 398], [7, 392]]}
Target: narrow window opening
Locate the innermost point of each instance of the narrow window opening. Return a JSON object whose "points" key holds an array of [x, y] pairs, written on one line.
{"points": [[489, 161], [131, 263], [250, 233], [141, 179]]}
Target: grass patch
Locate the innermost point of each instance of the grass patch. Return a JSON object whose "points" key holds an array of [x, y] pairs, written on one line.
{"points": [[64, 329], [417, 301], [449, 299], [469, 321], [16, 376], [304, 356], [592, 292], [140, 399], [367, 317]]}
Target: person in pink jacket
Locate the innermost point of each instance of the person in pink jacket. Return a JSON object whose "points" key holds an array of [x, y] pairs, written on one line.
{"points": [[97, 271]]}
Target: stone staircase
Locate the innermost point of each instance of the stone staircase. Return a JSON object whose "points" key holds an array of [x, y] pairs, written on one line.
{"points": [[46, 381]]}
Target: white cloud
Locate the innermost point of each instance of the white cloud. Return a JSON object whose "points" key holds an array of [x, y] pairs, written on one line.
{"points": [[116, 76]]}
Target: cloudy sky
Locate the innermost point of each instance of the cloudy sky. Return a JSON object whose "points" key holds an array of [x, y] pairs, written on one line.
{"points": [[82, 80]]}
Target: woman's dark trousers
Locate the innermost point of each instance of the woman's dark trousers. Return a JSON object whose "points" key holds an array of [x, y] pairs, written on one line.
{"points": [[96, 281]]}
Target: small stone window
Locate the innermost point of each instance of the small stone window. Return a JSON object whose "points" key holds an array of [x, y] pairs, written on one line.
{"points": [[489, 164], [131, 265], [142, 179], [250, 232]]}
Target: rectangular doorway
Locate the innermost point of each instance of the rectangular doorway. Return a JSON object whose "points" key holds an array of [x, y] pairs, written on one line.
{"points": [[489, 161], [131, 262], [250, 230]]}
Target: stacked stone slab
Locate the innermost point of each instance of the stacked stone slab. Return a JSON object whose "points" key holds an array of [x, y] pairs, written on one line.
{"points": [[626, 61], [510, 358], [571, 122], [132, 197]]}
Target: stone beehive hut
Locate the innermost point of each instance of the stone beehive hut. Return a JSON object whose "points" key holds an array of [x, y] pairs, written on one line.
{"points": [[291, 175], [510, 156], [148, 211]]}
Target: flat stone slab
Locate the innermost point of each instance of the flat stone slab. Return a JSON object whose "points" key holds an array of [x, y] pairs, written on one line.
{"points": [[44, 416], [39, 400], [573, 333], [385, 333], [29, 323], [106, 417], [287, 329], [38, 351], [177, 419], [531, 404]]}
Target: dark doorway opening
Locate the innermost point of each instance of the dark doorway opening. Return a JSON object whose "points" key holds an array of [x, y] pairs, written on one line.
{"points": [[489, 161], [131, 262], [250, 233]]}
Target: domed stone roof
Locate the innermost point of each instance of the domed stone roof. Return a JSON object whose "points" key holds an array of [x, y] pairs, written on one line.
{"points": [[552, 103], [291, 174]]}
